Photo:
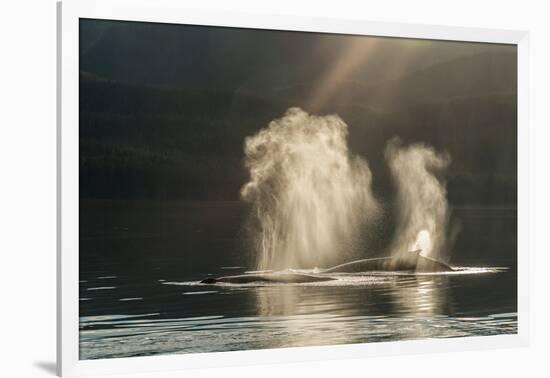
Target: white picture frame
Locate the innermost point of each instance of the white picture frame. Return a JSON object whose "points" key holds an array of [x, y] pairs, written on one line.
{"points": [[171, 11]]}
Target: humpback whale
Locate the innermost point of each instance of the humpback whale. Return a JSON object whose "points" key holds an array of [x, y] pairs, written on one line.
{"points": [[269, 278], [418, 263]]}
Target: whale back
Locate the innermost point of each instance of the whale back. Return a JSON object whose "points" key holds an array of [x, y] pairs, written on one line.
{"points": [[268, 278], [365, 265], [429, 265], [418, 263]]}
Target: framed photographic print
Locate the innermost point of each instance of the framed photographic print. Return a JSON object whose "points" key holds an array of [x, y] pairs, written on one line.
{"points": [[237, 188]]}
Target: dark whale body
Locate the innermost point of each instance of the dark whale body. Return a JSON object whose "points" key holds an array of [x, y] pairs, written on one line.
{"points": [[268, 278], [417, 263]]}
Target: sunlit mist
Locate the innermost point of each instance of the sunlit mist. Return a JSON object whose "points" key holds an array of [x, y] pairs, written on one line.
{"points": [[421, 198], [423, 243], [310, 196]]}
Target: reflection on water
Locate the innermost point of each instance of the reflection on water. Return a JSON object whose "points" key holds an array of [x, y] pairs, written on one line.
{"points": [[139, 293], [421, 296], [185, 317]]}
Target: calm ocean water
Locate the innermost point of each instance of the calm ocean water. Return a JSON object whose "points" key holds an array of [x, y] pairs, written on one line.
{"points": [[140, 263]]}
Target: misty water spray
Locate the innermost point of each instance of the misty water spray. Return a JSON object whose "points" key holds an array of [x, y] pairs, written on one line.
{"points": [[421, 199], [310, 196]]}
